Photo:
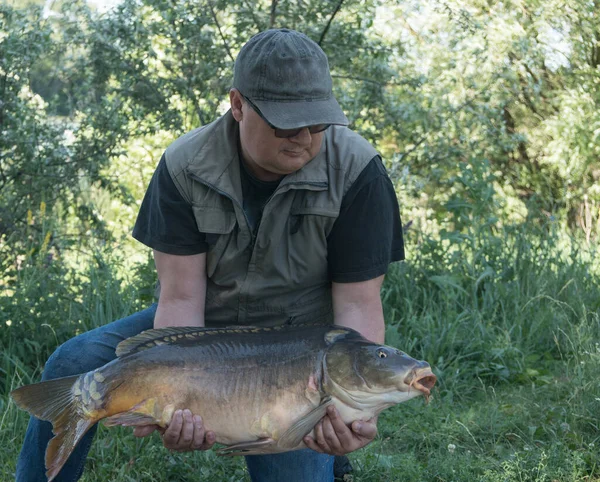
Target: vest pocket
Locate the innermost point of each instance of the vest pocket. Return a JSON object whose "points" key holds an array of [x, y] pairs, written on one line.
{"points": [[315, 210], [325, 218], [218, 227], [213, 221]]}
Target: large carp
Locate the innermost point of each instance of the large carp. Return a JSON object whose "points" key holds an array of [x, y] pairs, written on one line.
{"points": [[261, 390]]}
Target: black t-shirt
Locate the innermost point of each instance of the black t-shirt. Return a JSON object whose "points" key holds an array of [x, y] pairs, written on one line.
{"points": [[256, 194], [364, 240]]}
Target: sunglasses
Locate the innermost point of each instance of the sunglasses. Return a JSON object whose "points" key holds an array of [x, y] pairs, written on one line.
{"points": [[285, 133]]}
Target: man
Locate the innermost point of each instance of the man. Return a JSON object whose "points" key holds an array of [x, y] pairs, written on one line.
{"points": [[275, 213]]}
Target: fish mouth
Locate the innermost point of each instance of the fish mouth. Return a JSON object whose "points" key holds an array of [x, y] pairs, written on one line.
{"points": [[422, 380]]}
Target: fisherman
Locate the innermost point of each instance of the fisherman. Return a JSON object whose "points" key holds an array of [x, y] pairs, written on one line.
{"points": [[275, 213]]}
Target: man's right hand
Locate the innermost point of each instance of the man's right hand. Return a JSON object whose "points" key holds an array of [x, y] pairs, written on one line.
{"points": [[181, 303], [184, 433]]}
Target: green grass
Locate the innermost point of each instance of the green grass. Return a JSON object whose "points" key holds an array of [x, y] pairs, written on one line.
{"points": [[528, 432], [512, 330]]}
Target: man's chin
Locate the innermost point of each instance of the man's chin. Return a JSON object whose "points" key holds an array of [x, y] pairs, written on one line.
{"points": [[293, 162], [294, 154]]}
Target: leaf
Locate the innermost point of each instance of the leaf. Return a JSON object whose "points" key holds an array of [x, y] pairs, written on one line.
{"points": [[445, 281]]}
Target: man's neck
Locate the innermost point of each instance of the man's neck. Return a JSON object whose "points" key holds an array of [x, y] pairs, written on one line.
{"points": [[260, 173], [254, 169]]}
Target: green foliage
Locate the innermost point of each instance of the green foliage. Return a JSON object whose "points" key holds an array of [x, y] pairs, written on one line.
{"points": [[501, 300], [536, 422], [486, 116], [47, 160], [511, 88], [433, 85]]}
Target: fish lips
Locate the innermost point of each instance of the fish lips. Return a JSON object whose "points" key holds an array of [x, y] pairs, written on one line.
{"points": [[421, 379]]}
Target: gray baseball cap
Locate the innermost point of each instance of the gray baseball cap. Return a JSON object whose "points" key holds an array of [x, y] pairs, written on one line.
{"points": [[286, 75]]}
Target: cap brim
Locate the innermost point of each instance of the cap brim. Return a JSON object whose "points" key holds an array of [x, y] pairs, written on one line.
{"points": [[292, 114]]}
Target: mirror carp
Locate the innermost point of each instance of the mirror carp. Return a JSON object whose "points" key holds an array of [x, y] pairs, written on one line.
{"points": [[260, 389]]}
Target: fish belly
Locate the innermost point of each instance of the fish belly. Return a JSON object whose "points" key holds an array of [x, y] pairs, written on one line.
{"points": [[240, 402]]}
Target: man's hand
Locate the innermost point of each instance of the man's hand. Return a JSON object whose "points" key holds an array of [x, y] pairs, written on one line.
{"points": [[184, 433], [334, 437]]}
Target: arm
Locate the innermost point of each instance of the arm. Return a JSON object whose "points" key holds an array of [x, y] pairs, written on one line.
{"points": [[357, 306], [182, 289], [365, 239], [181, 303]]}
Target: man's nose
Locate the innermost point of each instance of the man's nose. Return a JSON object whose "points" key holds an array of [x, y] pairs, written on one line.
{"points": [[303, 137]]}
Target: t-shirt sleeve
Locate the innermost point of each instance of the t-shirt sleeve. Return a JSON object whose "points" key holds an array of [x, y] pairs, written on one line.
{"points": [[166, 220], [367, 235]]}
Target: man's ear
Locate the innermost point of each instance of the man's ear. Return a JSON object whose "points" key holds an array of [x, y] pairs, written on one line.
{"points": [[237, 101]]}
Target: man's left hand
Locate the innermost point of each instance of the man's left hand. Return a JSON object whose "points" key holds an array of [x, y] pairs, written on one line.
{"points": [[332, 436]]}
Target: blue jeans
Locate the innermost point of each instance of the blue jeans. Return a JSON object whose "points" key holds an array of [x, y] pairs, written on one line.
{"points": [[95, 348]]}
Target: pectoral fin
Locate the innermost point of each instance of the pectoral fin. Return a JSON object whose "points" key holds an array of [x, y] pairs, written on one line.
{"points": [[129, 419], [256, 447], [147, 412], [294, 435]]}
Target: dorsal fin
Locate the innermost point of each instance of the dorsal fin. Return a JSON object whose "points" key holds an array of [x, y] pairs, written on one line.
{"points": [[338, 333], [189, 334], [173, 336]]}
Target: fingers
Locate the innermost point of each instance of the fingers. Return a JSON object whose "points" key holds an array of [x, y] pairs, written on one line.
{"points": [[336, 431], [187, 432], [367, 430], [311, 442], [198, 435], [326, 440], [332, 436], [144, 431], [203, 440], [209, 440], [173, 431], [186, 436]]}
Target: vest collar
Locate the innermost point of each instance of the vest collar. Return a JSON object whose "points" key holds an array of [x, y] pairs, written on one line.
{"points": [[313, 175], [217, 162]]}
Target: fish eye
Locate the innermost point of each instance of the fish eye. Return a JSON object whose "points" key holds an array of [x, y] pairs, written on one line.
{"points": [[382, 354]]}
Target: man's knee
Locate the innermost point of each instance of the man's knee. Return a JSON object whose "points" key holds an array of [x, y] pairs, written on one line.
{"points": [[96, 347], [77, 355]]}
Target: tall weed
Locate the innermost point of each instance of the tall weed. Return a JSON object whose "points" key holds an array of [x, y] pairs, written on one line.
{"points": [[487, 298]]}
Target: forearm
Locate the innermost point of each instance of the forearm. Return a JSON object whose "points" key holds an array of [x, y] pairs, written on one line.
{"points": [[179, 312], [368, 322], [183, 290], [358, 306]]}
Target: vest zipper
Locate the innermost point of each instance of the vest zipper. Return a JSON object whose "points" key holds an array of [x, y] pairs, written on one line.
{"points": [[243, 294], [277, 191]]}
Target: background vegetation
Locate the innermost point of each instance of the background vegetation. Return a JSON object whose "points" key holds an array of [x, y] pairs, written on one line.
{"points": [[487, 114]]}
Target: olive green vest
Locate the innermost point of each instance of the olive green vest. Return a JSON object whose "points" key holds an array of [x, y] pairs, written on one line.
{"points": [[281, 275]]}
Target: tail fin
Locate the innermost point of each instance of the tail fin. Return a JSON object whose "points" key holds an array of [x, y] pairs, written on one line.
{"points": [[54, 401]]}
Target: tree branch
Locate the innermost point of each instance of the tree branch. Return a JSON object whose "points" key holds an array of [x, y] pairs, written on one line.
{"points": [[596, 51], [361, 79], [250, 9], [273, 13], [214, 15], [410, 82], [337, 9], [454, 111], [3, 97]]}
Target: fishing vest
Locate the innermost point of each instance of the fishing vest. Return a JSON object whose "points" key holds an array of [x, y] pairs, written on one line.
{"points": [[280, 274]]}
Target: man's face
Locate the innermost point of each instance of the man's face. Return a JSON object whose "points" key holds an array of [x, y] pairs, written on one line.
{"points": [[268, 157]]}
